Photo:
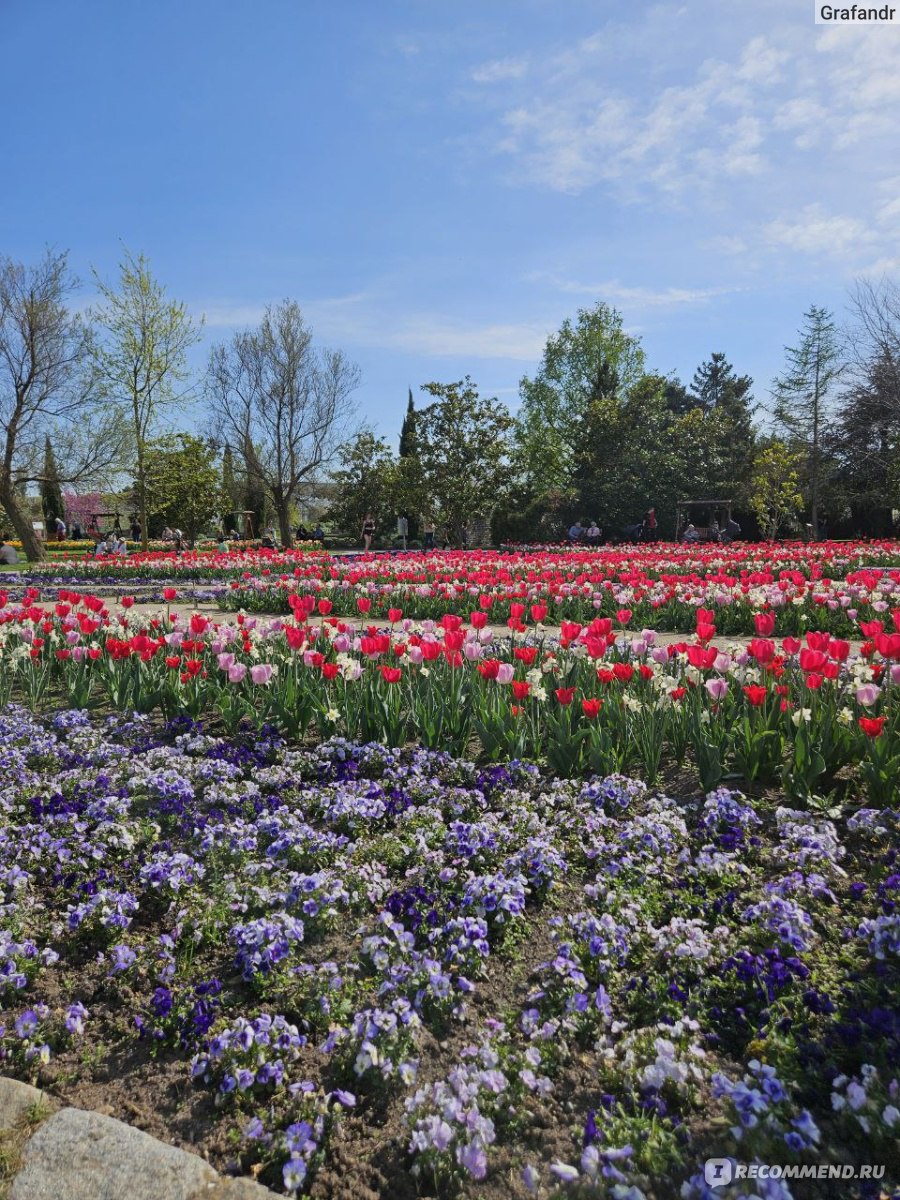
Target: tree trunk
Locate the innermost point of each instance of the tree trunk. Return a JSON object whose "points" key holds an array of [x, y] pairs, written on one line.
{"points": [[283, 510], [142, 496], [31, 543]]}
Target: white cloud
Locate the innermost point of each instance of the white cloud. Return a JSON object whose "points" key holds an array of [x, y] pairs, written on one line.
{"points": [[613, 291], [499, 70], [814, 231]]}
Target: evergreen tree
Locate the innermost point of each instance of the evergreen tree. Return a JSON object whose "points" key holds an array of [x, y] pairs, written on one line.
{"points": [[254, 498], [727, 404], [231, 496], [51, 491], [408, 430], [803, 397]]}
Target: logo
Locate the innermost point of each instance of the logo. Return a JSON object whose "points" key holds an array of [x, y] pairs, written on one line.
{"points": [[718, 1172]]}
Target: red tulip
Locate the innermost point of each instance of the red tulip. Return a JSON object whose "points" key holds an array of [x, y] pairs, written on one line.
{"points": [[565, 695], [395, 615], [169, 593], [872, 727], [755, 694], [591, 708], [765, 623], [324, 607], [520, 688], [478, 620], [623, 616]]}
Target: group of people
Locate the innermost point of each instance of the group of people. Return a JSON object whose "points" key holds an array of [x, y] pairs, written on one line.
{"points": [[591, 534], [714, 532]]}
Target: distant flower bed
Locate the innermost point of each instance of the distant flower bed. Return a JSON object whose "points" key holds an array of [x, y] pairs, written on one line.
{"points": [[399, 969]]}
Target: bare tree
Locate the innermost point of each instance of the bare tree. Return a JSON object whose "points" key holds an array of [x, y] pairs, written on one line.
{"points": [[874, 334], [47, 389], [283, 402]]}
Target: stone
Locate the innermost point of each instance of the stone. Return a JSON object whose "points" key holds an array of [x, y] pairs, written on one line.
{"points": [[78, 1155], [15, 1100]]}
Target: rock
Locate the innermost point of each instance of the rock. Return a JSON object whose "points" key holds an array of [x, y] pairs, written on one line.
{"points": [[78, 1155], [15, 1100], [239, 1189]]}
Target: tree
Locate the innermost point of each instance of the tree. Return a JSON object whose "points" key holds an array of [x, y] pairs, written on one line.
{"points": [[363, 483], [285, 403], [803, 395], [726, 401], [231, 495], [141, 356], [183, 485], [408, 430], [578, 367], [46, 389], [51, 491], [775, 495], [463, 449]]}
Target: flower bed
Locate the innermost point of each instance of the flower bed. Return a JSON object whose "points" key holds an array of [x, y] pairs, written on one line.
{"points": [[356, 970], [829, 586], [812, 715]]}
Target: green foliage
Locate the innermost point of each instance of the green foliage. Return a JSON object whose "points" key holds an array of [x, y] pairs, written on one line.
{"points": [[775, 495], [184, 484], [51, 492], [463, 449], [582, 364], [140, 355], [363, 483], [408, 430], [803, 396]]}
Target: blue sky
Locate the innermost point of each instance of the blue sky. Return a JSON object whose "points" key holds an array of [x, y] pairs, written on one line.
{"points": [[440, 185]]}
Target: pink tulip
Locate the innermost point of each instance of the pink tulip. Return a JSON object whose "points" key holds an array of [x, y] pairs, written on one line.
{"points": [[722, 662], [261, 673], [717, 688], [867, 694], [473, 651], [341, 643], [638, 647], [78, 653], [236, 673], [660, 655], [225, 661], [415, 654], [505, 673], [895, 674], [72, 636], [649, 636]]}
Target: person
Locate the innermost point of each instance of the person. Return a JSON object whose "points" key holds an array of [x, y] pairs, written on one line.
{"points": [[319, 534], [690, 533], [650, 525], [232, 535], [60, 527], [268, 539], [732, 530], [593, 533], [428, 534], [102, 547], [576, 531], [8, 554], [368, 530], [222, 546], [302, 533], [76, 531], [135, 530], [403, 529], [119, 547], [178, 539], [713, 531], [167, 534]]}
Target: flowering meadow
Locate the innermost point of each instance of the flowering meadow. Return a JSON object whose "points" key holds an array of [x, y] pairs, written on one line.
{"points": [[352, 971], [473, 886]]}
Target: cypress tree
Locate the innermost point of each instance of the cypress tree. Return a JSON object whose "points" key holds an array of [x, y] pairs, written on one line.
{"points": [[408, 430], [51, 491]]}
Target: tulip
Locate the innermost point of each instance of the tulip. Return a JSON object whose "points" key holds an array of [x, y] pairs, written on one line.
{"points": [[473, 651], [169, 593], [591, 707], [236, 672], [225, 661], [872, 727], [505, 673], [261, 673], [414, 654], [867, 694], [717, 688]]}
